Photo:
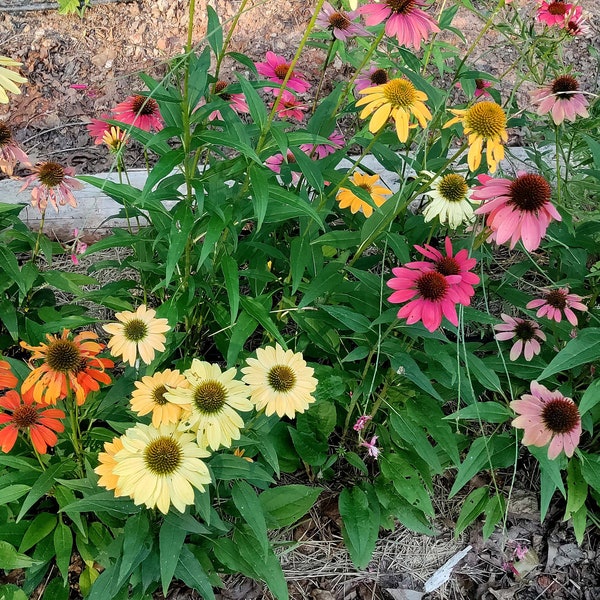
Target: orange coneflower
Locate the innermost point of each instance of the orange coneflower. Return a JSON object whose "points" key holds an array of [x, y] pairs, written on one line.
{"points": [[7, 379], [69, 365]]}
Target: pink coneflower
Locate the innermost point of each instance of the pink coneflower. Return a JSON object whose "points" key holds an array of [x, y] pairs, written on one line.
{"points": [[98, 127], [371, 447], [405, 20], [518, 209], [371, 77], [548, 417], [236, 101], [52, 183], [361, 422], [10, 153], [290, 107], [555, 13], [431, 294], [480, 88], [562, 99], [141, 112], [459, 265], [340, 23], [576, 24], [276, 161], [276, 68], [527, 333], [556, 302], [320, 151]]}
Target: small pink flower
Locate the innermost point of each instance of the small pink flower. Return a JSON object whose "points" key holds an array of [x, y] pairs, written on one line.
{"points": [[527, 333], [576, 24], [518, 209], [555, 12], [290, 108], [276, 68], [405, 20], [562, 99], [361, 422], [371, 77], [10, 153], [371, 447], [556, 302], [480, 88], [52, 183], [98, 127], [236, 101], [521, 551], [78, 86], [141, 112], [340, 23], [276, 161], [79, 247], [548, 417], [320, 151]]}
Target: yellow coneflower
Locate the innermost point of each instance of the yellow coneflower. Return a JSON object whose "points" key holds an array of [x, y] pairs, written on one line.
{"points": [[348, 199]]}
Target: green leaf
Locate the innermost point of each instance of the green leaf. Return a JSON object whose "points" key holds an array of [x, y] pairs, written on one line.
{"points": [[243, 328], [494, 512], [577, 489], [590, 469], [11, 559], [260, 192], [229, 467], [585, 348], [40, 527], [12, 592], [260, 313], [103, 502], [256, 105], [349, 318], [56, 590], [580, 523], [137, 544], [483, 374], [409, 368], [284, 505], [487, 412], [359, 529], [251, 509], [63, 546], [191, 572], [324, 283], [214, 32], [170, 541], [86, 580], [590, 398], [338, 239], [13, 492], [550, 476], [474, 504]]}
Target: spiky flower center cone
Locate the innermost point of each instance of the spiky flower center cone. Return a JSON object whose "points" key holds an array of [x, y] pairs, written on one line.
{"points": [[51, 174], [281, 378], [5, 135], [560, 415], [144, 106], [63, 356], [432, 286], [366, 187], [401, 6], [25, 416], [219, 87], [135, 330], [565, 86], [379, 77], [486, 119], [447, 266], [453, 188], [282, 70], [400, 93], [557, 8], [210, 397], [530, 192], [339, 20], [524, 330], [556, 299], [480, 84], [290, 157], [158, 395], [162, 456]]}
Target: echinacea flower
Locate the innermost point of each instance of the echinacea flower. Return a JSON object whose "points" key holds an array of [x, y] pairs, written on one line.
{"points": [[276, 161], [398, 99], [319, 151], [236, 101], [107, 461], [10, 153], [290, 107], [484, 123], [548, 418], [212, 400], [70, 365], [23, 414], [480, 88], [138, 332], [280, 381], [98, 127], [9, 79], [371, 77], [114, 138], [52, 183], [576, 23], [562, 99], [527, 333], [554, 13], [340, 23], [517, 209], [7, 378], [405, 20], [556, 302], [450, 200], [140, 111], [276, 69], [361, 422], [160, 467], [371, 446], [370, 183], [150, 397]]}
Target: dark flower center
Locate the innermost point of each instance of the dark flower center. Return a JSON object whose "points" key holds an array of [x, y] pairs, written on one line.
{"points": [[556, 299], [480, 84], [557, 8], [282, 70], [158, 395], [82, 366], [135, 330], [144, 106], [219, 87], [5, 135], [51, 174], [432, 286], [290, 157], [281, 378], [401, 6], [447, 266], [530, 192], [366, 187], [162, 456], [25, 416], [210, 397], [565, 86], [379, 77], [339, 20], [63, 356], [453, 187], [525, 330], [560, 415]]}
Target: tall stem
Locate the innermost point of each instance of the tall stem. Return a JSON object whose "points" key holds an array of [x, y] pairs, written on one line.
{"points": [[36, 249]]}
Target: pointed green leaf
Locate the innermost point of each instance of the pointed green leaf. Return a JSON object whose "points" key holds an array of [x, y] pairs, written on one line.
{"points": [[170, 542], [63, 546], [250, 507], [585, 348], [472, 507]]}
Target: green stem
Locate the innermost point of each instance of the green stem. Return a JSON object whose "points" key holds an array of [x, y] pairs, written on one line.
{"points": [[234, 23], [36, 249], [325, 65], [73, 411]]}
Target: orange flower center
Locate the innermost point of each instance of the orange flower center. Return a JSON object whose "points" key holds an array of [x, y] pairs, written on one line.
{"points": [[525, 330], [144, 106], [447, 266], [379, 77], [135, 330], [560, 415], [486, 119], [557, 8], [51, 174], [158, 395], [400, 93], [25, 416], [339, 20], [565, 86], [403, 7], [63, 356], [219, 87], [432, 286], [282, 70], [530, 192], [210, 397], [162, 456], [281, 378], [556, 299], [5, 135]]}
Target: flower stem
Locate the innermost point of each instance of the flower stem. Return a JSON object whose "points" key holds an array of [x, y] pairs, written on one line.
{"points": [[325, 65], [36, 249]]}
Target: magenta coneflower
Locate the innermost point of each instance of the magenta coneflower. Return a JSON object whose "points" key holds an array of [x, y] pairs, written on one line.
{"points": [[556, 302], [10, 153], [527, 333], [52, 183], [320, 151], [371, 77], [236, 101], [555, 13], [518, 209], [340, 22], [405, 20], [548, 417], [98, 127], [276, 68], [576, 24], [480, 88], [290, 107], [562, 99], [276, 161], [141, 112]]}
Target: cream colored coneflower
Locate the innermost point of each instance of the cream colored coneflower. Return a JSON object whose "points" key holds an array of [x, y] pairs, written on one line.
{"points": [[160, 466], [370, 183], [9, 79], [212, 399], [138, 331], [149, 397], [450, 196], [398, 99], [484, 122], [107, 461], [280, 382]]}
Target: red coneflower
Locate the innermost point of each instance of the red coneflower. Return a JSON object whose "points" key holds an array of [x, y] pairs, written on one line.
{"points": [[141, 112]]}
